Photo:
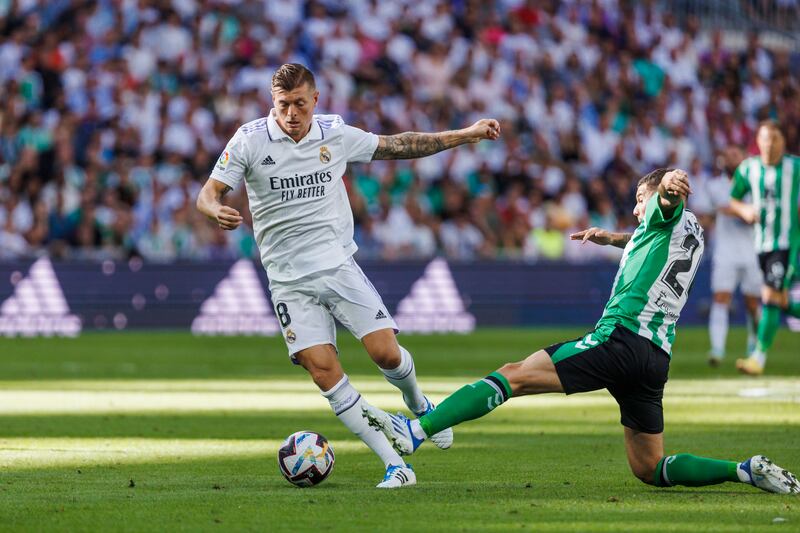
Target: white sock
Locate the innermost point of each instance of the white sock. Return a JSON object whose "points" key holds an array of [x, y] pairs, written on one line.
{"points": [[744, 477], [404, 377], [346, 403], [752, 334], [718, 327], [416, 429]]}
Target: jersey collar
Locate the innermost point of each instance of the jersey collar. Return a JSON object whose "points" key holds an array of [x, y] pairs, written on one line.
{"points": [[277, 134]]}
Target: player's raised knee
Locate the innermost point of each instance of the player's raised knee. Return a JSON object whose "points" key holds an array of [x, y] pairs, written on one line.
{"points": [[383, 349], [321, 377], [386, 356], [322, 365]]}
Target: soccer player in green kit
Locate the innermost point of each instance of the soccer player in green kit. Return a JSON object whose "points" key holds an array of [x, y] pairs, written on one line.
{"points": [[627, 353], [773, 179]]}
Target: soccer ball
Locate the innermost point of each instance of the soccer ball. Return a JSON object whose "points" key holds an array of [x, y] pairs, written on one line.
{"points": [[305, 458]]}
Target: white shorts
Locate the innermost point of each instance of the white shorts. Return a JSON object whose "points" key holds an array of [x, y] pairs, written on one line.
{"points": [[306, 307], [727, 275]]}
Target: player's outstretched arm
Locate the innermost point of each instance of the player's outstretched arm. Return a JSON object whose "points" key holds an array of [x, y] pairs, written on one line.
{"points": [[411, 145], [209, 202], [602, 237]]}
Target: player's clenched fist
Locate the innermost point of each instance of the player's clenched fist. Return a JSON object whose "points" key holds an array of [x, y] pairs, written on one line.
{"points": [[676, 183], [485, 128], [228, 218]]}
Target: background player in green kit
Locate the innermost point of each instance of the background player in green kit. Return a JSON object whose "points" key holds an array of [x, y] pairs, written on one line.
{"points": [[773, 179], [627, 353]]}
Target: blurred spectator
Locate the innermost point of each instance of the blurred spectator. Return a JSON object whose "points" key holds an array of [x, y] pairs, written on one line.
{"points": [[460, 239], [113, 113]]}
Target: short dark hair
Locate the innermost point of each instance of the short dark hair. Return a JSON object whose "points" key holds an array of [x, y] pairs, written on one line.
{"points": [[653, 179], [290, 76], [770, 124]]}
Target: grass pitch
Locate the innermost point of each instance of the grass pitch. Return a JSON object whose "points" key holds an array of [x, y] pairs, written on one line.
{"points": [[142, 432]]}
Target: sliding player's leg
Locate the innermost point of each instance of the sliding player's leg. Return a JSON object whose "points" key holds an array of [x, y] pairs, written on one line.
{"points": [[642, 416], [536, 374], [644, 451], [646, 458], [580, 365], [647, 461]]}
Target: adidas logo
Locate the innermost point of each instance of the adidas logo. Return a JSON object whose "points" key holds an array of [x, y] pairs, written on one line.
{"points": [[238, 306], [268, 161], [434, 304], [37, 306], [380, 315]]}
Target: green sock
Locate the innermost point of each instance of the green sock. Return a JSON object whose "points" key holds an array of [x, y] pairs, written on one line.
{"points": [[768, 326], [794, 308], [467, 403], [692, 471]]}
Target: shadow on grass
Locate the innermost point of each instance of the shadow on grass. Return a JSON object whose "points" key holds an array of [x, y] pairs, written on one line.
{"points": [[148, 355], [493, 489], [557, 423]]}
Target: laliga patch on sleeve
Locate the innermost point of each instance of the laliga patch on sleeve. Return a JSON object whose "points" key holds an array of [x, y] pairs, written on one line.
{"points": [[224, 159]]}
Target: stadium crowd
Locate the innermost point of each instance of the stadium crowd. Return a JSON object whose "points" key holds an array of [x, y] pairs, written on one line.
{"points": [[114, 112]]}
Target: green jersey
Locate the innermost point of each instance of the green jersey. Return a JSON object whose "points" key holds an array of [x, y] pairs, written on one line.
{"points": [[655, 275], [775, 190]]}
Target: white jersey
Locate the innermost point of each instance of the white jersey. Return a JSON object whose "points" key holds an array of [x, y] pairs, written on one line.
{"points": [[301, 213], [733, 238]]}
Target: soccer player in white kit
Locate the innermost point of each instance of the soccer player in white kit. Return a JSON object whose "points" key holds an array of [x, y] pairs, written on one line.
{"points": [[292, 162], [734, 262]]}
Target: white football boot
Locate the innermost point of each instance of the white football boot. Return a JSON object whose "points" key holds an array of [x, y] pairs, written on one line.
{"points": [[398, 476], [443, 439], [397, 428], [768, 476]]}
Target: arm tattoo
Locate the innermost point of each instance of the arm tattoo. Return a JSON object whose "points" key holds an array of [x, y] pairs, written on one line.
{"points": [[411, 145], [622, 240]]}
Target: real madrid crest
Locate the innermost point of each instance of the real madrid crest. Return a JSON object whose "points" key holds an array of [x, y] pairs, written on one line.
{"points": [[324, 154], [290, 336]]}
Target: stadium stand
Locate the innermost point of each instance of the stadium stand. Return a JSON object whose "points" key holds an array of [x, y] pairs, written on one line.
{"points": [[113, 113]]}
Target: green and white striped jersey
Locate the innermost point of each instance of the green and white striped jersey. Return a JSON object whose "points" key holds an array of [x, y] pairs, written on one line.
{"points": [[775, 191], [655, 275]]}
